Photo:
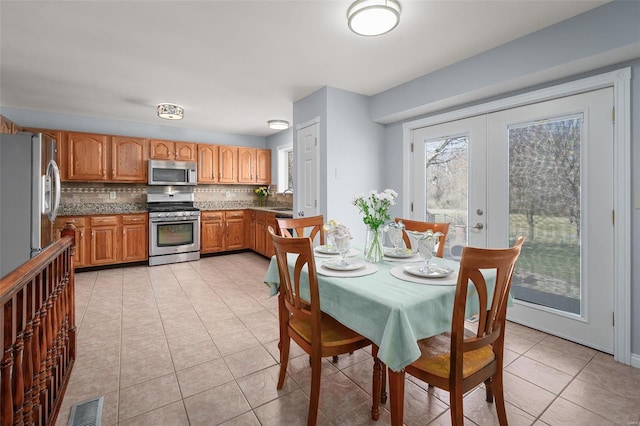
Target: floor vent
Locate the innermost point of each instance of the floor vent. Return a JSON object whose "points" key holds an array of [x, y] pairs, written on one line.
{"points": [[87, 413]]}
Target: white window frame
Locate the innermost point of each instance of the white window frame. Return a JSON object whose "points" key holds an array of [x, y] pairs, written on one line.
{"points": [[283, 165]]}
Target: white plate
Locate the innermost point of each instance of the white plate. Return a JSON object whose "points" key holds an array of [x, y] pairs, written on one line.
{"points": [[336, 266], [402, 253], [352, 252], [326, 249], [434, 272]]}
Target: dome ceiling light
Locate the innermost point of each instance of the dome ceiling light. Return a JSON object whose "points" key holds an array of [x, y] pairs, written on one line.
{"points": [[170, 112], [373, 17], [278, 124]]}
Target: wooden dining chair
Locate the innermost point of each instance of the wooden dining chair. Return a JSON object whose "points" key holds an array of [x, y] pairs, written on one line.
{"points": [[419, 226], [317, 333], [302, 227], [460, 360]]}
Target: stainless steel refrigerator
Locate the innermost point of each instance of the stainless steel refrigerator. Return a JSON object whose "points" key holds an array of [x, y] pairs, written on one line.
{"points": [[29, 197]]}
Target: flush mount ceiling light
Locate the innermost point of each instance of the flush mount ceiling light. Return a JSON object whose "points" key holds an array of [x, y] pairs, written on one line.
{"points": [[278, 124], [373, 17], [170, 111]]}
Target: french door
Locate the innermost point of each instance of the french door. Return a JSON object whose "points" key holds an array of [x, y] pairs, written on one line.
{"points": [[544, 171]]}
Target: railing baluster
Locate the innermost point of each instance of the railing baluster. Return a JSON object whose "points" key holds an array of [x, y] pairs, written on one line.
{"points": [[38, 335]]}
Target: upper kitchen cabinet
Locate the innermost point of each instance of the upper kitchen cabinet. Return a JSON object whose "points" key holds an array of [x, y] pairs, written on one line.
{"points": [[87, 157], [129, 159], [246, 165], [254, 166], [228, 156], [208, 156], [263, 166], [6, 125], [169, 150]]}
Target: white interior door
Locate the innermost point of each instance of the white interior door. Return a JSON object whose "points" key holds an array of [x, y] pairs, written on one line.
{"points": [[449, 176], [544, 171], [308, 181], [551, 179]]}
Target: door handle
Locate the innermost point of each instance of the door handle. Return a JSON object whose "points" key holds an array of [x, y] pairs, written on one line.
{"points": [[479, 226], [301, 213]]}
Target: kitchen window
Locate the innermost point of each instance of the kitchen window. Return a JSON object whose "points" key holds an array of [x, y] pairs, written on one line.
{"points": [[285, 168]]}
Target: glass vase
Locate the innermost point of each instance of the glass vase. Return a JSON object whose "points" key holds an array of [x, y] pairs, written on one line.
{"points": [[373, 250], [260, 201]]}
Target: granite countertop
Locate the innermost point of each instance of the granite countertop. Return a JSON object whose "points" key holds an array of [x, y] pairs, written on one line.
{"points": [[86, 209]]}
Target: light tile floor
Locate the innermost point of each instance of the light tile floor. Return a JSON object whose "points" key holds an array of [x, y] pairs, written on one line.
{"points": [[196, 343]]}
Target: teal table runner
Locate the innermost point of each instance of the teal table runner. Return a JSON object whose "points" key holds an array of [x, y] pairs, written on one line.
{"points": [[392, 313]]}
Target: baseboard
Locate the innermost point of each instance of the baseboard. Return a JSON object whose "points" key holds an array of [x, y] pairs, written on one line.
{"points": [[635, 360]]}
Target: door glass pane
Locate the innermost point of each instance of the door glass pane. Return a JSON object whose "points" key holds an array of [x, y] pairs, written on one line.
{"points": [[544, 205], [446, 188]]}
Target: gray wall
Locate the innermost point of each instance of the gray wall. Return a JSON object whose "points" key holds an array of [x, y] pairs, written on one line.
{"points": [[604, 39], [50, 120], [355, 151]]}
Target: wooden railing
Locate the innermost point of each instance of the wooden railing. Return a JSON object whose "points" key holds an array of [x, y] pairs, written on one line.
{"points": [[38, 335]]}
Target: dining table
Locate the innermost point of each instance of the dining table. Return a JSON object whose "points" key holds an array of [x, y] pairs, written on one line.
{"points": [[390, 303]]}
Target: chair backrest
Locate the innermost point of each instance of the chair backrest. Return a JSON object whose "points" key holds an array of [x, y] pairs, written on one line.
{"points": [[302, 227], [419, 226], [491, 320], [300, 251]]}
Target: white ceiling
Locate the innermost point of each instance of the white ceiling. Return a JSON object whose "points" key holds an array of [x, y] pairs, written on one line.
{"points": [[233, 65]]}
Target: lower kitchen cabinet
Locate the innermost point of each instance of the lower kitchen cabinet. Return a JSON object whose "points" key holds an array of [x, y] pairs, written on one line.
{"points": [[80, 257], [222, 230], [108, 239], [135, 237], [263, 243], [103, 247]]}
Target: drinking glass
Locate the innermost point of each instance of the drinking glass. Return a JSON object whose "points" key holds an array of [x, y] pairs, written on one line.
{"points": [[395, 235], [342, 245], [425, 248]]}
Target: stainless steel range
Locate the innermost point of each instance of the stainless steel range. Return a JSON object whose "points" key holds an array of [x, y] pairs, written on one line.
{"points": [[174, 225]]}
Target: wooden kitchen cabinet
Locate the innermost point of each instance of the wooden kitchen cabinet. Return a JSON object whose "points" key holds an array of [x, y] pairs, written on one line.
{"points": [[135, 237], [263, 167], [222, 231], [208, 157], [211, 231], [105, 240], [129, 159], [246, 165], [235, 224], [254, 166], [87, 157], [170, 150], [263, 242], [250, 229], [228, 164], [7, 126], [81, 224]]}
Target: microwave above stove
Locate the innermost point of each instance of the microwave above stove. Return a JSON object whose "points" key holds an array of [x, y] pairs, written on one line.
{"points": [[163, 172]]}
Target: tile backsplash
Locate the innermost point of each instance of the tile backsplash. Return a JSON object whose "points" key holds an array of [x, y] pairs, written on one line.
{"points": [[96, 197]]}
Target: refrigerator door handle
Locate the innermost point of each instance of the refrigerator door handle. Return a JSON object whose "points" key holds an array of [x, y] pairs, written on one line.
{"points": [[54, 201]]}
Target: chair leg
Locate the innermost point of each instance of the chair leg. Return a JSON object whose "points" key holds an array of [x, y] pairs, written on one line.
{"points": [[488, 384], [314, 398], [498, 391], [335, 359], [377, 388], [456, 407], [284, 360]]}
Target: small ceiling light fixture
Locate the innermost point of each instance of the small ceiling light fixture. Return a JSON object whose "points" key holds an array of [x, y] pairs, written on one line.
{"points": [[373, 17], [278, 124], [170, 111]]}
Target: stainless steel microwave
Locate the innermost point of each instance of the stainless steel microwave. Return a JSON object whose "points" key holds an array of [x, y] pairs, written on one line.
{"points": [[163, 172]]}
